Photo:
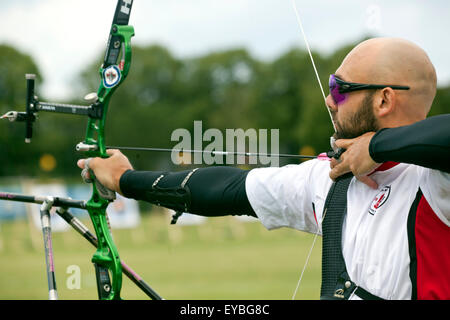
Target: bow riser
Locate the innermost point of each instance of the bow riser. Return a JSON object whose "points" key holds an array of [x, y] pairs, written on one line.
{"points": [[111, 77], [106, 259]]}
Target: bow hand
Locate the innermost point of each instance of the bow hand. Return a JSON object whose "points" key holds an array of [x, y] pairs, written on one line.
{"points": [[105, 172]]}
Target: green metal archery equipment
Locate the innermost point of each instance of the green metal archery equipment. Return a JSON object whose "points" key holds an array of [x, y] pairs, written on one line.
{"points": [[113, 73], [114, 70]]}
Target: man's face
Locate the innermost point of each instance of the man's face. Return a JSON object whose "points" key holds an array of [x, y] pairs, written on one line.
{"points": [[355, 116]]}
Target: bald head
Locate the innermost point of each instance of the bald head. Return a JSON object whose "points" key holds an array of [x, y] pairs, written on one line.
{"points": [[397, 62]]}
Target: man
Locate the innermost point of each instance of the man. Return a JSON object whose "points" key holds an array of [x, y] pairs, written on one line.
{"points": [[394, 234]]}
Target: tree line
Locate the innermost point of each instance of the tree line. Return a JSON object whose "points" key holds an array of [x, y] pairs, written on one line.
{"points": [[226, 89]]}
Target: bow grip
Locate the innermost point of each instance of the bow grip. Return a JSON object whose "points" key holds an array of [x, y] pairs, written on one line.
{"points": [[89, 177]]}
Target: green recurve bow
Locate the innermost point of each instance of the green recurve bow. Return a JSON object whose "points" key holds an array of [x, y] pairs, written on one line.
{"points": [[114, 70]]}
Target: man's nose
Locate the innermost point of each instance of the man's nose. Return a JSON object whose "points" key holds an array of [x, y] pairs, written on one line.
{"points": [[331, 104]]}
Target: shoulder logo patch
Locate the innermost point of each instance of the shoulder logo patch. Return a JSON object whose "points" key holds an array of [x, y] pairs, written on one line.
{"points": [[379, 199]]}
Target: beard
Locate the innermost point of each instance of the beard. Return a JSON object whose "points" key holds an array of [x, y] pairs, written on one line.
{"points": [[362, 121]]}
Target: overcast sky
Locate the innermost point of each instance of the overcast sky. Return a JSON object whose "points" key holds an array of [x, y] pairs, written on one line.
{"points": [[65, 35]]}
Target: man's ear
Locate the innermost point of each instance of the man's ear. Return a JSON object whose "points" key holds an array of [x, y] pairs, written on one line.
{"points": [[384, 103]]}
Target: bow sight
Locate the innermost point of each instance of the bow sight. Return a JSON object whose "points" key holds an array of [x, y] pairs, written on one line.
{"points": [[33, 106]]}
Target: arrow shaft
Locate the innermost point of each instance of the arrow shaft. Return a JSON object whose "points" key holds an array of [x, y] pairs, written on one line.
{"points": [[215, 153]]}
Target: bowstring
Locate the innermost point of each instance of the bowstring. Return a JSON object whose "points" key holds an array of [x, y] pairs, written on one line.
{"points": [[308, 48], [316, 234]]}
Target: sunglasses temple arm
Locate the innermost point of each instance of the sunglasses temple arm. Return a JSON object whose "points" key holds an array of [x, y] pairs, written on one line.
{"points": [[356, 87]]}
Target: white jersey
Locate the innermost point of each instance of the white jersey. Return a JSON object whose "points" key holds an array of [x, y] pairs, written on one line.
{"points": [[395, 240]]}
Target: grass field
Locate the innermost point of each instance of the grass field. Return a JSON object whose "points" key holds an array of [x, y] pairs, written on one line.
{"points": [[223, 258]]}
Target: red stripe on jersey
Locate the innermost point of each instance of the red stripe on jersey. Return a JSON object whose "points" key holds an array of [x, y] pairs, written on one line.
{"points": [[315, 217], [384, 166], [433, 254]]}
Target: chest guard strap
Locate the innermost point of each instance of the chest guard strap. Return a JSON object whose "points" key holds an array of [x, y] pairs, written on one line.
{"points": [[336, 283]]}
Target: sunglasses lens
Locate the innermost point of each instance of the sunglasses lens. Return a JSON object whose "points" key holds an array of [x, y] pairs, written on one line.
{"points": [[334, 91]]}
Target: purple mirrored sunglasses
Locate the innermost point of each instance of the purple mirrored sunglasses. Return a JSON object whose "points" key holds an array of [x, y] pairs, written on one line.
{"points": [[339, 89]]}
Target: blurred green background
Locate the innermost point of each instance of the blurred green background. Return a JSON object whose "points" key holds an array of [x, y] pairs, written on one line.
{"points": [[227, 89], [224, 258]]}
